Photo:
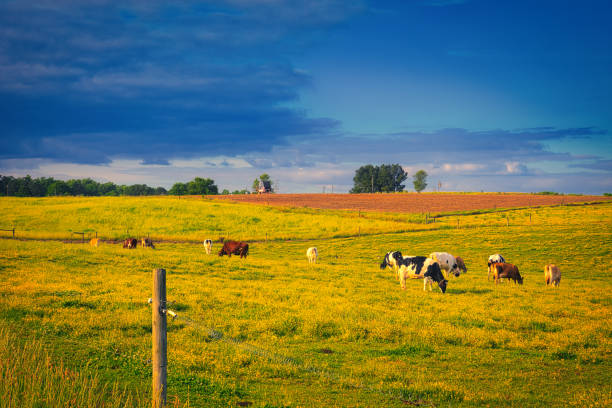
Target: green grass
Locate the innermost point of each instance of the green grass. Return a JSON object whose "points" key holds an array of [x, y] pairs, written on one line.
{"points": [[195, 219], [353, 336]]}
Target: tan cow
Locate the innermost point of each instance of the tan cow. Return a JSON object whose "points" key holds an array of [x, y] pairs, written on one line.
{"points": [[552, 275], [208, 246], [94, 242], [311, 254]]}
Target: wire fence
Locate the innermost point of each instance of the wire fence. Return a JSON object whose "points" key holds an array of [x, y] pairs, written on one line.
{"points": [[213, 334], [275, 357]]}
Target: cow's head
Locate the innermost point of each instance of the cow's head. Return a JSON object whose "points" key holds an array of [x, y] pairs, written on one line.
{"points": [[520, 280], [461, 264], [442, 285], [221, 253], [384, 263]]}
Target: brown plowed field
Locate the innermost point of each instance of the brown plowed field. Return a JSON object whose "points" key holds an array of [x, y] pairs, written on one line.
{"points": [[410, 202]]}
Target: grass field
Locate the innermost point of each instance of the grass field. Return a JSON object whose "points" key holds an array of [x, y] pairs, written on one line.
{"points": [[354, 337], [195, 219]]}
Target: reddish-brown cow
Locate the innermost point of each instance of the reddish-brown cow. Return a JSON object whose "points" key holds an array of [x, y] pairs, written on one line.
{"points": [[130, 243], [502, 270], [235, 248]]}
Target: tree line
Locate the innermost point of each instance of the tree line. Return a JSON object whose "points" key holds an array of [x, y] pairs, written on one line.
{"points": [[48, 186], [386, 178]]}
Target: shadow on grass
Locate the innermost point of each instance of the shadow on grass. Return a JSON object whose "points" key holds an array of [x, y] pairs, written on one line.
{"points": [[470, 291]]}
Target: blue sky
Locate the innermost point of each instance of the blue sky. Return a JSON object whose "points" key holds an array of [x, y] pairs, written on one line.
{"points": [[493, 96]]}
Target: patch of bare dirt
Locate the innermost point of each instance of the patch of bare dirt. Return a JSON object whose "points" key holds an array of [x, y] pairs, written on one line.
{"points": [[410, 202]]}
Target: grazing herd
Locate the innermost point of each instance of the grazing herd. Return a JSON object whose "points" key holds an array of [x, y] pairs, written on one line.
{"points": [[435, 268]]}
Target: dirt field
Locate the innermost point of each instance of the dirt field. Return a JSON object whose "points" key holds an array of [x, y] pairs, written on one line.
{"points": [[409, 202]]}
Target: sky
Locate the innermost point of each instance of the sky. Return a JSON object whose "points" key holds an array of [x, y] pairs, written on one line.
{"points": [[483, 95]]}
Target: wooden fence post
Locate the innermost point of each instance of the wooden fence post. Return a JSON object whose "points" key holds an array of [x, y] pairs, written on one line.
{"points": [[160, 343], [13, 232]]}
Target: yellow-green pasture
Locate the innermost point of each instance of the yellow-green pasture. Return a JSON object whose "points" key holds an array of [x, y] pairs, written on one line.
{"points": [[354, 337], [194, 219]]}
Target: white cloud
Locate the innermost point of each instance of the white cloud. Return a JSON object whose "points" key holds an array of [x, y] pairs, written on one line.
{"points": [[516, 168]]}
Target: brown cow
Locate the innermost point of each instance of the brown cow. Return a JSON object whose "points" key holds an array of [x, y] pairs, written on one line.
{"points": [[552, 274], [461, 264], [236, 248], [502, 270], [130, 243]]}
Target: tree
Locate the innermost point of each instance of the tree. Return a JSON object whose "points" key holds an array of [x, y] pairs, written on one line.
{"points": [[178, 189], [374, 179], [225, 191], [420, 180], [202, 186], [255, 186]]}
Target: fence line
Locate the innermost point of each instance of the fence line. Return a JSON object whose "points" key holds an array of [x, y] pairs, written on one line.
{"points": [[9, 230]]}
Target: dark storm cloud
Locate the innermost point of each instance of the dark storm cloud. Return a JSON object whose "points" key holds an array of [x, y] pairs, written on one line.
{"points": [[86, 83]]}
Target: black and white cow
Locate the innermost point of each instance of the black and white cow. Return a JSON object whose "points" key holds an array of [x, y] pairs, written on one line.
{"points": [[422, 267], [496, 258], [392, 261]]}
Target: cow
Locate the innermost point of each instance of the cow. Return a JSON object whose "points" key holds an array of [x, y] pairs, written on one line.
{"points": [[449, 263], [146, 242], [208, 246], [392, 260], [130, 243], [502, 270], [94, 242], [312, 254], [422, 267], [552, 275], [493, 259], [235, 248]]}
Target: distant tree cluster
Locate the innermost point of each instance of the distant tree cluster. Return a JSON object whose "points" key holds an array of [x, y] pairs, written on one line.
{"points": [[48, 186], [386, 178], [204, 186], [262, 180], [243, 191]]}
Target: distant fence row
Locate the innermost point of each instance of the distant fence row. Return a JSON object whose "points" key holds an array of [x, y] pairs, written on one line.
{"points": [[442, 221]]}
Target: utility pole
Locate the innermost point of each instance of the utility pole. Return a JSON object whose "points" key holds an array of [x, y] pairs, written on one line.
{"points": [[372, 182]]}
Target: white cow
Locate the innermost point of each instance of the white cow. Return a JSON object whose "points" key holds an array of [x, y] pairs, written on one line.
{"points": [[311, 254], [208, 245], [449, 263]]}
